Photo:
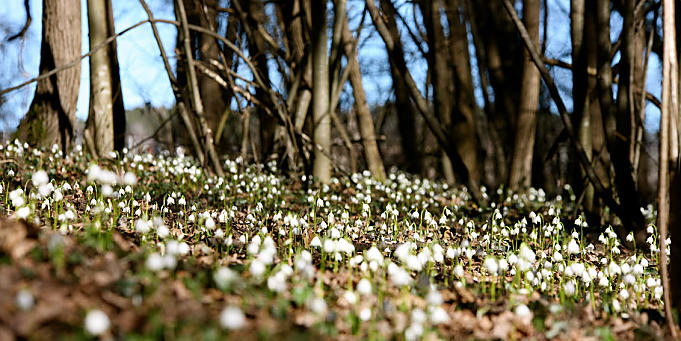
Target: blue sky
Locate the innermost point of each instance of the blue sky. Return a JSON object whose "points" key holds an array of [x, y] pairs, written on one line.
{"points": [[144, 79]]}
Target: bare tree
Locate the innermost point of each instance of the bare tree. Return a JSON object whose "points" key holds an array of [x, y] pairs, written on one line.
{"points": [[520, 175], [669, 158], [320, 93], [100, 131], [366, 122], [52, 113]]}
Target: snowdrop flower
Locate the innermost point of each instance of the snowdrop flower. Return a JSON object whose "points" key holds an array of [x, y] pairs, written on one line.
{"points": [[40, 178], [24, 300], [316, 243], [317, 305], [398, 276], [257, 268], [162, 231], [414, 332], [491, 265], [569, 288], [130, 179], [364, 287], [232, 318], [365, 314], [439, 316], [573, 247], [373, 254], [458, 271], [350, 297], [224, 277], [434, 298], [413, 263], [142, 226], [522, 310], [277, 282], [96, 322], [23, 212], [154, 262]]}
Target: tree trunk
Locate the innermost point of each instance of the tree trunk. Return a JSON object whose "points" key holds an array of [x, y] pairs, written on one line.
{"points": [[440, 75], [321, 168], [118, 106], [464, 109], [520, 176], [404, 108], [52, 112], [100, 119], [253, 17], [366, 122], [616, 119]]}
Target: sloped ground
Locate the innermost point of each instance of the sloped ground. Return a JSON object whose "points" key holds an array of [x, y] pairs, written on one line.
{"points": [[151, 247]]}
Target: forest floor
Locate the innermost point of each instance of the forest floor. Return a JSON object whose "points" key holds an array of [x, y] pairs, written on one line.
{"points": [[150, 247]]}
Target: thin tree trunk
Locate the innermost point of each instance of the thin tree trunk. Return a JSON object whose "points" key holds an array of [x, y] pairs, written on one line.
{"points": [[404, 108], [422, 104], [464, 125], [209, 147], [440, 75], [53, 110], [520, 176], [100, 120], [119, 124], [366, 122], [321, 168], [669, 159]]}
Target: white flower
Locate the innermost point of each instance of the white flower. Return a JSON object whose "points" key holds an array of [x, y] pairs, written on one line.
{"points": [[154, 262], [458, 271], [130, 179], [24, 299], [142, 226], [438, 316], [492, 266], [96, 322], [364, 286], [398, 276], [40, 178], [373, 254], [162, 231], [434, 298], [316, 243], [569, 288], [414, 332], [223, 277], [232, 318], [318, 305], [350, 297], [257, 268], [23, 212], [522, 310], [365, 314], [573, 247]]}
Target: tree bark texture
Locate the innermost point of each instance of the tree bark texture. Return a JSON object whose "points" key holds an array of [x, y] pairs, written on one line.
{"points": [[53, 110], [321, 167], [100, 120], [520, 176]]}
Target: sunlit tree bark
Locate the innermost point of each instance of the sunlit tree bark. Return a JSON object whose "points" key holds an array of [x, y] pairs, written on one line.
{"points": [[321, 168], [51, 114], [520, 175], [100, 120]]}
